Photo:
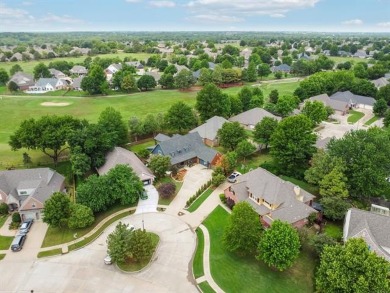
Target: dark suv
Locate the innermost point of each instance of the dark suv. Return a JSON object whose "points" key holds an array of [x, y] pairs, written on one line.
{"points": [[18, 242], [26, 225]]}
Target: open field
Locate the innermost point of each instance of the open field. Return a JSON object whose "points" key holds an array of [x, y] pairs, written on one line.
{"points": [[245, 274], [28, 66], [353, 60]]}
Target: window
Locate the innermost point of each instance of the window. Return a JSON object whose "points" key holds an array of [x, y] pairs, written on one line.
{"points": [[23, 192], [33, 205]]}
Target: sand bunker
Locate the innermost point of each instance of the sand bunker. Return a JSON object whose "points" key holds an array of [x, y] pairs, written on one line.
{"points": [[55, 104]]}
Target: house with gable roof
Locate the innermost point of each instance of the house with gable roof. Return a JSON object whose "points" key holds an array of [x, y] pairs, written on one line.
{"points": [[186, 150], [78, 70], [272, 198], [208, 131], [353, 100], [340, 107], [44, 85], [23, 80], [27, 190], [250, 118]]}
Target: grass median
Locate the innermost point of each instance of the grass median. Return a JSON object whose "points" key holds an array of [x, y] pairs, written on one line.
{"points": [[197, 264], [47, 253], [197, 203], [205, 287]]}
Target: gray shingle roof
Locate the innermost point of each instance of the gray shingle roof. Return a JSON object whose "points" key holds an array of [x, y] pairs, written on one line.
{"points": [[252, 116], [281, 67], [22, 79], [265, 185], [78, 69], [351, 98], [372, 227], [161, 137], [334, 104], [42, 82], [45, 181], [210, 129], [183, 148], [122, 156], [77, 82], [380, 82]]}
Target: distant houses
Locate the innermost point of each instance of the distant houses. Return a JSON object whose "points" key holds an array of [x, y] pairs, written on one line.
{"points": [[340, 107], [44, 85], [22, 80], [353, 100], [281, 68], [78, 70], [380, 82]]}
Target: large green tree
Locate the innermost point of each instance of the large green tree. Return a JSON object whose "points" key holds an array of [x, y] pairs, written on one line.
{"points": [[80, 216], [230, 134], [4, 77], [244, 149], [334, 184], [110, 120], [167, 81], [184, 79], [243, 231], [160, 165], [146, 82], [48, 134], [118, 243], [315, 111], [57, 210], [15, 68], [210, 102], [95, 82], [380, 107], [264, 130], [180, 117], [41, 71], [140, 245], [279, 245], [352, 268], [293, 144], [285, 105]]}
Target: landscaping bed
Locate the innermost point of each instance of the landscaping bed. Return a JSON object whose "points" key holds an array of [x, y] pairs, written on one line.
{"points": [[167, 201], [197, 203]]}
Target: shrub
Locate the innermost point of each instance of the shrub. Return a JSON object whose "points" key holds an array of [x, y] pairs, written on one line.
{"points": [[144, 154], [16, 218], [222, 198], [312, 218], [174, 170], [230, 203], [166, 190], [3, 208], [218, 179]]}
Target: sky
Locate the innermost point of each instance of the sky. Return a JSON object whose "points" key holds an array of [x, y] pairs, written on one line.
{"points": [[195, 15]]}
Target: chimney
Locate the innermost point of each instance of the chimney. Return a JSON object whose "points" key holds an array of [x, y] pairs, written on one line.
{"points": [[297, 191]]}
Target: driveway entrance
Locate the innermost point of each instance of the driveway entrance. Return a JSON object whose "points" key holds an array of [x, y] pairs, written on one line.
{"points": [[148, 205]]}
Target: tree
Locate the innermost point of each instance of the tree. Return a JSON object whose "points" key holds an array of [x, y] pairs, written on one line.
{"points": [[380, 107], [4, 77], [166, 190], [151, 125], [229, 162], [334, 184], [140, 245], [245, 95], [94, 193], [146, 82], [57, 209], [95, 82], [128, 83], [81, 162], [41, 70], [279, 245], [251, 73], [170, 69], [230, 134], [26, 159], [243, 231], [353, 267], [235, 105], [184, 79], [12, 86], [160, 165], [334, 208], [80, 216], [3, 209], [384, 93], [285, 105], [264, 130], [210, 102], [15, 68], [167, 81], [180, 117], [218, 176], [112, 123], [205, 76], [386, 119], [263, 70], [118, 243], [273, 96], [278, 74], [293, 144], [135, 127], [319, 241], [315, 111], [49, 133], [244, 149]]}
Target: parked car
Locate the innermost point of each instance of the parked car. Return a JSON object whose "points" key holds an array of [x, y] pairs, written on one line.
{"points": [[26, 225], [131, 228], [18, 242], [233, 177], [107, 260], [144, 195]]}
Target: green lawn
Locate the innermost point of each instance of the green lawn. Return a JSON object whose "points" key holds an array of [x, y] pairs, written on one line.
{"points": [[197, 264], [28, 66], [47, 253], [334, 229], [372, 120], [2, 255], [354, 116], [339, 59], [302, 184], [167, 201], [55, 236], [197, 203], [245, 274], [205, 287], [137, 266], [253, 161], [5, 242], [138, 146], [2, 220]]}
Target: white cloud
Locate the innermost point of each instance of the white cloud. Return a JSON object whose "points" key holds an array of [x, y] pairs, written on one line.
{"points": [[384, 24], [7, 12], [132, 1], [161, 4], [278, 15], [212, 18], [353, 22], [50, 17]]}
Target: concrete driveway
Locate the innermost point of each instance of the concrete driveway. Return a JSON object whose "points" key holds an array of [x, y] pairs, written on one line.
{"points": [[148, 205], [84, 270]]}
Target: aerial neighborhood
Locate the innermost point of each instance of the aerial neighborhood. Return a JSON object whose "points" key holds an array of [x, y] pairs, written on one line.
{"points": [[183, 161]]}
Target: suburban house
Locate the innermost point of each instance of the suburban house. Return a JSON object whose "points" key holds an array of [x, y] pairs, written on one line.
{"points": [[209, 130], [304, 56], [23, 80], [339, 107], [76, 85], [380, 82], [353, 100], [56, 73], [156, 75], [111, 70], [27, 190], [272, 198], [78, 70], [250, 118], [373, 226], [360, 54], [122, 156], [282, 68], [186, 150], [139, 67], [44, 85]]}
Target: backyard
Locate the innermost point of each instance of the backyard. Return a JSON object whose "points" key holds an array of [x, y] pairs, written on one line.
{"points": [[245, 274]]}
